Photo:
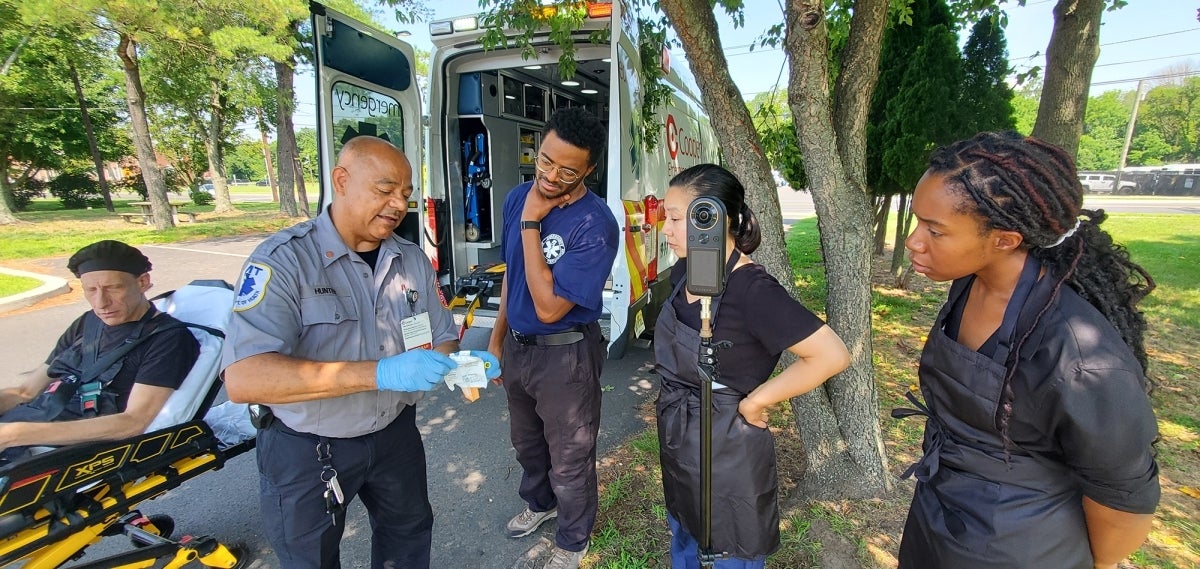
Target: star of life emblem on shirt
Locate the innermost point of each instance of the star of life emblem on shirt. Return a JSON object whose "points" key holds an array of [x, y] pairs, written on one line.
{"points": [[553, 248], [253, 286]]}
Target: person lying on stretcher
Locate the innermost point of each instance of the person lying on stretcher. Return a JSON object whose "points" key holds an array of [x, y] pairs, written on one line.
{"points": [[113, 369]]}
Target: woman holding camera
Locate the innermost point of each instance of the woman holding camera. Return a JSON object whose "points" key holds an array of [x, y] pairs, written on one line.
{"points": [[760, 321], [1038, 431]]}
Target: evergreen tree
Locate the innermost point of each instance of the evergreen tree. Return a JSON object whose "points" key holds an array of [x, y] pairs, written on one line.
{"points": [[900, 43], [922, 114], [986, 102]]}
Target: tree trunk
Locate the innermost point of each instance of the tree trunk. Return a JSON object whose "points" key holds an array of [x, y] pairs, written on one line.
{"points": [[135, 97], [7, 202], [1070, 57], [285, 140], [901, 225], [840, 420], [272, 179], [215, 131], [881, 219], [856, 85], [301, 190], [91, 138]]}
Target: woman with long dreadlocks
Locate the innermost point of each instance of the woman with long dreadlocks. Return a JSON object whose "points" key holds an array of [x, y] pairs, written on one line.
{"points": [[1039, 430]]}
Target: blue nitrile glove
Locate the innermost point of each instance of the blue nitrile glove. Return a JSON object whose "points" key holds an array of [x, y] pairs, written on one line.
{"points": [[491, 365], [415, 370]]}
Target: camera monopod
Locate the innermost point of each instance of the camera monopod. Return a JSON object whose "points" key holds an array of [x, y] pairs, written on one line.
{"points": [[706, 278]]}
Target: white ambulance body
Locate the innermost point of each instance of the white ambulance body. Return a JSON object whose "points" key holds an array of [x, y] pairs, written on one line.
{"points": [[487, 111]]}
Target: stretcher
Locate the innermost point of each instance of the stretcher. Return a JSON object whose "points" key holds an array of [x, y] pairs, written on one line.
{"points": [[475, 292], [56, 504]]}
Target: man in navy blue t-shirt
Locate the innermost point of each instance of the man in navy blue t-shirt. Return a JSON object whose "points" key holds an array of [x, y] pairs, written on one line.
{"points": [[560, 241]]}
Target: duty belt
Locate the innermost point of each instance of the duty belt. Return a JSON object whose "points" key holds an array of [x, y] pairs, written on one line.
{"points": [[566, 337]]}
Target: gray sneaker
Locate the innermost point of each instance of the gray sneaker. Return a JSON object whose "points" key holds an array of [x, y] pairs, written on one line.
{"points": [[528, 521], [563, 559]]}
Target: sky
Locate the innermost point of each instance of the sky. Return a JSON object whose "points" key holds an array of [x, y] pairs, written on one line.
{"points": [[1144, 39]]}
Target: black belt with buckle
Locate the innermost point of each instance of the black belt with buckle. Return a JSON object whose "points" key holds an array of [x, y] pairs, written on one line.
{"points": [[566, 337]]}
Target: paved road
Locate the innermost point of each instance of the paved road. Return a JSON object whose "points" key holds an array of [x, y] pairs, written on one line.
{"points": [[473, 475], [1143, 204]]}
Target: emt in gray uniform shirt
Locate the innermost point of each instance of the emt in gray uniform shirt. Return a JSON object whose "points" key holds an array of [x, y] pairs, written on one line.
{"points": [[337, 327]]}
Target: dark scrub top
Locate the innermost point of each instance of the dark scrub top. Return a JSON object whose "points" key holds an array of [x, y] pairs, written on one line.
{"points": [[757, 315], [163, 360], [579, 243], [1081, 425]]}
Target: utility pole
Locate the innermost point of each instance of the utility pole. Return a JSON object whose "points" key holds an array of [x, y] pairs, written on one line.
{"points": [[1137, 100]]}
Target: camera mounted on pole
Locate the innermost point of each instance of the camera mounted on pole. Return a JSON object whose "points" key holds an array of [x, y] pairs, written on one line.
{"points": [[707, 228]]}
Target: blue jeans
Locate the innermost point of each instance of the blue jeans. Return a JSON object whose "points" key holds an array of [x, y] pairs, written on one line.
{"points": [[684, 553]]}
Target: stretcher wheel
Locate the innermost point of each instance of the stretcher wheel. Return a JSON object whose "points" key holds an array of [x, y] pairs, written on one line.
{"points": [[159, 524], [472, 232], [242, 553], [485, 183]]}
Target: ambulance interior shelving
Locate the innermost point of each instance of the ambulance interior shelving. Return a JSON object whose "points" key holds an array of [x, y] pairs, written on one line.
{"points": [[494, 136]]}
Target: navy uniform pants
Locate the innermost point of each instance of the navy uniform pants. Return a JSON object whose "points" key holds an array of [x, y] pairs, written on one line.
{"points": [[385, 469], [554, 416]]}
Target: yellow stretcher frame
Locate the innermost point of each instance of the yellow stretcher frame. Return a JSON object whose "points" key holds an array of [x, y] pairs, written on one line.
{"points": [[474, 290], [55, 505]]}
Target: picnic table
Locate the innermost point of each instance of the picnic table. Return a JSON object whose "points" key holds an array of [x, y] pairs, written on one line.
{"points": [[147, 214]]}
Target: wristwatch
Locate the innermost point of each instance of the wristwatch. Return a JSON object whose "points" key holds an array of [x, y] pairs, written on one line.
{"points": [[534, 225]]}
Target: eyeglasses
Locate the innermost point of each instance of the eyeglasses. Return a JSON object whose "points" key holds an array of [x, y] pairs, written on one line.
{"points": [[565, 175]]}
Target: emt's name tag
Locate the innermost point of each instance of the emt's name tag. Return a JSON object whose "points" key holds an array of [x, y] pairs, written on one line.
{"points": [[417, 332]]}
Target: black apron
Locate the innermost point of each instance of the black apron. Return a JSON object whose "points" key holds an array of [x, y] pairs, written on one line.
{"points": [[976, 506], [745, 513]]}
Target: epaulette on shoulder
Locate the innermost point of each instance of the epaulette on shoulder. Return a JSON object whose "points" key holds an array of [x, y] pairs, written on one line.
{"points": [[285, 235]]}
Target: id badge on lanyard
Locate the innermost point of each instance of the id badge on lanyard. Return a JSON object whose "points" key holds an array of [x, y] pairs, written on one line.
{"points": [[416, 330]]}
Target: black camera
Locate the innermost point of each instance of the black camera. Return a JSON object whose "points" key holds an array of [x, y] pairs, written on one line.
{"points": [[706, 247]]}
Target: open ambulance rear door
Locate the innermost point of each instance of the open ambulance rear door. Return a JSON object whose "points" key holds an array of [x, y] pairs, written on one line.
{"points": [[366, 85]]}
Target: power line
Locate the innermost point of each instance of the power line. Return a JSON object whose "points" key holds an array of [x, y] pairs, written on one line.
{"points": [[1147, 78], [1149, 37], [1097, 84], [1145, 60], [1039, 54], [1030, 66], [728, 55]]}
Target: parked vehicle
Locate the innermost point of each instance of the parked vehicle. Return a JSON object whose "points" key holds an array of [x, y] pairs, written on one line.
{"points": [[1103, 183], [487, 111], [207, 188], [1164, 180]]}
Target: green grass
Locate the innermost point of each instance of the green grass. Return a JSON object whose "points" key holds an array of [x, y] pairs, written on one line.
{"points": [[50, 231], [1168, 247], [631, 532], [10, 284]]}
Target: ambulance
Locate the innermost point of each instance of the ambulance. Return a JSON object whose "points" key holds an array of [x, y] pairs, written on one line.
{"points": [[487, 109]]}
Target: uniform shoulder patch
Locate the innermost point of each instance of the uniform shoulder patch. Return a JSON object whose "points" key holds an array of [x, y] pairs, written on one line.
{"points": [[553, 248], [253, 286]]}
